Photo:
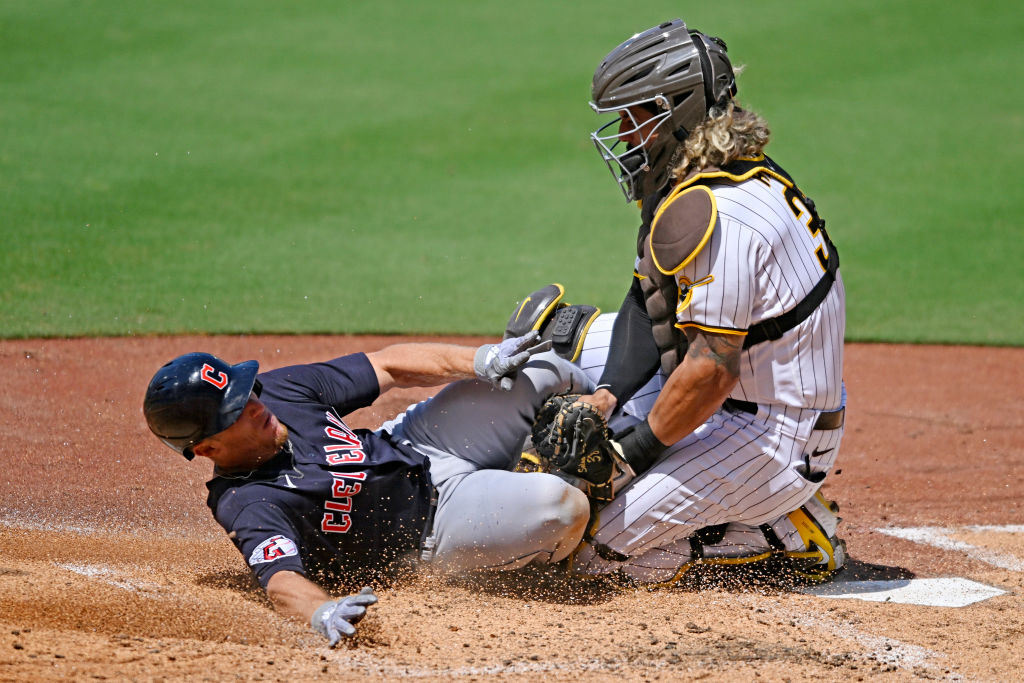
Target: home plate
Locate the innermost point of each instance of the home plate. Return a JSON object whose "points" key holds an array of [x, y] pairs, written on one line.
{"points": [[951, 592]]}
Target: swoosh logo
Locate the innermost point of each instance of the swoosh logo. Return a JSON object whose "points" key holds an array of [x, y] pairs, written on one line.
{"points": [[815, 453], [288, 482]]}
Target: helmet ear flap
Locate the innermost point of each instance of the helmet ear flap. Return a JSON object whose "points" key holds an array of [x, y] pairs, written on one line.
{"points": [[716, 69]]}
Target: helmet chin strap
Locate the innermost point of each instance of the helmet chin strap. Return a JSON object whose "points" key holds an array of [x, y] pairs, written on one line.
{"points": [[633, 163]]}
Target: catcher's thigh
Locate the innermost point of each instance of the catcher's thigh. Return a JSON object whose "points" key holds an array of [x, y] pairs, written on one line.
{"points": [[730, 469]]}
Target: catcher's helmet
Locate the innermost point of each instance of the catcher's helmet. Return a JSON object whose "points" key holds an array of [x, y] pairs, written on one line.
{"points": [[676, 73], [196, 396]]}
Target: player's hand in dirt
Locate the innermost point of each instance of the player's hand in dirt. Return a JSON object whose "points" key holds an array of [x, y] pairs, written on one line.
{"points": [[337, 618], [497, 363]]}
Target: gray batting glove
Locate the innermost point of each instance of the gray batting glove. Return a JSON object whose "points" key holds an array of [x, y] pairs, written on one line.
{"points": [[496, 363], [336, 618]]}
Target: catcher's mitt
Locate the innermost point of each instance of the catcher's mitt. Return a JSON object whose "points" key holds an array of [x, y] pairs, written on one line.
{"points": [[573, 436]]}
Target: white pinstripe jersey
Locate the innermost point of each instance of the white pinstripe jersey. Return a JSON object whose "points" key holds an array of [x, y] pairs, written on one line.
{"points": [[761, 260]]}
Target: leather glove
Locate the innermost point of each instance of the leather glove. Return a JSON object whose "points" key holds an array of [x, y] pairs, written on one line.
{"points": [[337, 618], [574, 437], [498, 363]]}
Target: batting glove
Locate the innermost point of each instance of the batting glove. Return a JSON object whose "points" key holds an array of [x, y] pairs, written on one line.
{"points": [[496, 363], [336, 618]]}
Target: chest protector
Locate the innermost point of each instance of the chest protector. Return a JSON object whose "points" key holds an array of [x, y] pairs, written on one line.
{"points": [[674, 230]]}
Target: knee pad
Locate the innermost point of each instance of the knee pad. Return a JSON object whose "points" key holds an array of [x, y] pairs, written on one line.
{"points": [[564, 324]]}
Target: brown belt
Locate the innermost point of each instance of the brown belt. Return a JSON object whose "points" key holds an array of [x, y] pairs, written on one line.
{"points": [[825, 422]]}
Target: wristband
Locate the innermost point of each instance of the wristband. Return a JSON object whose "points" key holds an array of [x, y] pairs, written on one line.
{"points": [[640, 447]]}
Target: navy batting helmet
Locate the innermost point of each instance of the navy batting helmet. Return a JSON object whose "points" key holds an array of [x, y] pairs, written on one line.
{"points": [[196, 396]]}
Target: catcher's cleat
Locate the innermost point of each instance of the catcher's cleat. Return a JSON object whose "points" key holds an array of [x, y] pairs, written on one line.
{"points": [[564, 324], [824, 553]]}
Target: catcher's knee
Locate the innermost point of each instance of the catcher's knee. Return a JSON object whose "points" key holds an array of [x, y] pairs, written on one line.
{"points": [[564, 324]]}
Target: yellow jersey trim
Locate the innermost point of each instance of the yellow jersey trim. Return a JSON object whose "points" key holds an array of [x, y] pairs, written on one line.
{"points": [[734, 177], [684, 299], [718, 330]]}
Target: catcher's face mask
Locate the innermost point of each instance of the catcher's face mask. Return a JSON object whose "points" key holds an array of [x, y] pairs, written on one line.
{"points": [[623, 142]]}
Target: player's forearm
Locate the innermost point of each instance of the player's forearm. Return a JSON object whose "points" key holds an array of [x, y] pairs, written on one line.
{"points": [[697, 388], [422, 365], [294, 595]]}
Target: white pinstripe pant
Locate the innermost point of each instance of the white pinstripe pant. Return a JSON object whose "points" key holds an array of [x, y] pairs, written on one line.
{"points": [[737, 467]]}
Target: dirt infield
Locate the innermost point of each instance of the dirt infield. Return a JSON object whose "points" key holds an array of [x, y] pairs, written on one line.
{"points": [[111, 567]]}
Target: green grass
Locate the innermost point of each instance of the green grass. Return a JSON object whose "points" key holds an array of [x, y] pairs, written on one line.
{"points": [[234, 167]]}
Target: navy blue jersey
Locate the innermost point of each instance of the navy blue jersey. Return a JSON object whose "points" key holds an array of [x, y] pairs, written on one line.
{"points": [[335, 500]]}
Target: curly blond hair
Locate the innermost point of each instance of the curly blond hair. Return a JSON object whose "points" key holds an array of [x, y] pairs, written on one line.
{"points": [[728, 133]]}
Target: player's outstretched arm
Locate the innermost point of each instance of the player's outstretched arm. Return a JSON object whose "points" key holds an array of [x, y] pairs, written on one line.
{"points": [[296, 596], [427, 365]]}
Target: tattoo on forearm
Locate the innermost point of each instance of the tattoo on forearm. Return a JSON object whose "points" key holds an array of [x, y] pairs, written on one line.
{"points": [[722, 349]]}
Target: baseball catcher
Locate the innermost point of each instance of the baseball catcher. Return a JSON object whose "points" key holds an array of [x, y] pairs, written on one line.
{"points": [[736, 301]]}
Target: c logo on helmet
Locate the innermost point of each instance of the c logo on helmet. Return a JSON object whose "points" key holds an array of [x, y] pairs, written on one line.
{"points": [[220, 380]]}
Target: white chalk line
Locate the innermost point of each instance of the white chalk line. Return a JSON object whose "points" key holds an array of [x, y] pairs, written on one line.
{"points": [[942, 538], [17, 521], [115, 578], [881, 649], [1005, 528]]}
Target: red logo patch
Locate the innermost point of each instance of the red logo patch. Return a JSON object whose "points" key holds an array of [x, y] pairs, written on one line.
{"points": [[271, 549], [220, 380]]}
